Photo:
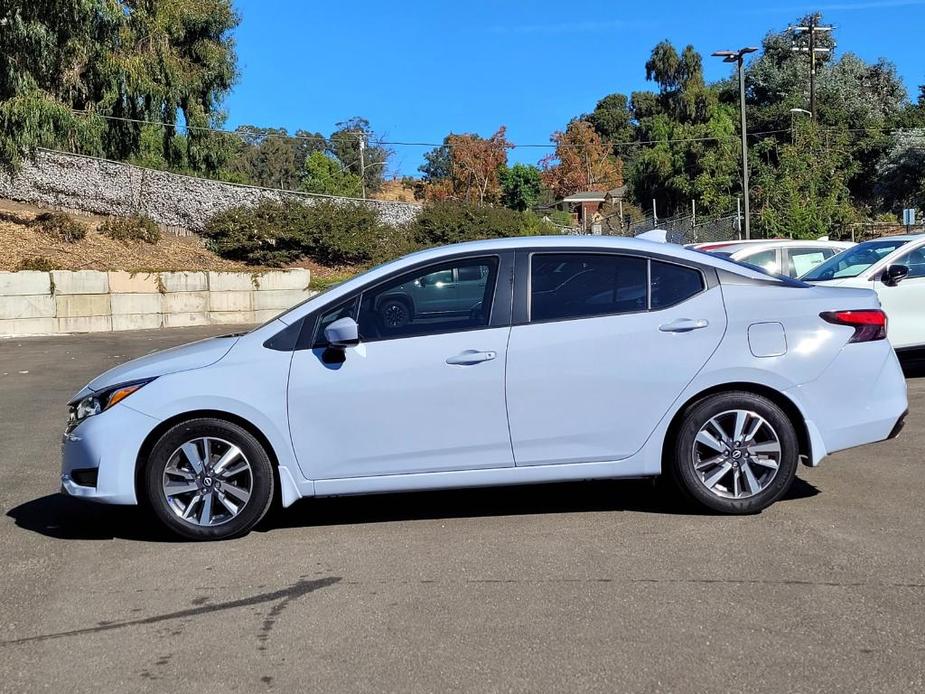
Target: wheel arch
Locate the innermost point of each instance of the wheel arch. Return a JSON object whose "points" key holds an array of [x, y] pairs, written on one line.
{"points": [[158, 431], [789, 407]]}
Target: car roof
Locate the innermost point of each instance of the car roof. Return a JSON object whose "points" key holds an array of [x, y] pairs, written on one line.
{"points": [[579, 243], [899, 237], [782, 243]]}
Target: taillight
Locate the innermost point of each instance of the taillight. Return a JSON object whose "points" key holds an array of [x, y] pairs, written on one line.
{"points": [[868, 324]]}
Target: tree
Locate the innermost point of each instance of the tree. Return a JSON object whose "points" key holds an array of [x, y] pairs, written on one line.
{"points": [[521, 186], [131, 60], [270, 157], [581, 162], [344, 145], [612, 119], [324, 175], [476, 162], [801, 189], [438, 163], [900, 174]]}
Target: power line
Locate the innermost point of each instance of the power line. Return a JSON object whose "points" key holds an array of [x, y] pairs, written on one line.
{"points": [[320, 138]]}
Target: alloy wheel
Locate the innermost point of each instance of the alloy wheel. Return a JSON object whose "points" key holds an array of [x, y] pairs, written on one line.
{"points": [[207, 481], [736, 454], [395, 314]]}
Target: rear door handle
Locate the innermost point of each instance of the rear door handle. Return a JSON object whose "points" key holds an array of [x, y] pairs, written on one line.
{"points": [[683, 325], [471, 356]]}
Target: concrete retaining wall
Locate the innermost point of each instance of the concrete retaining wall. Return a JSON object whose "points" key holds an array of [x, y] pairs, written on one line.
{"points": [[46, 303], [86, 184]]}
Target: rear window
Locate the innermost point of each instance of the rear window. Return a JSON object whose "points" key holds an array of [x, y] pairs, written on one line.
{"points": [[672, 284]]}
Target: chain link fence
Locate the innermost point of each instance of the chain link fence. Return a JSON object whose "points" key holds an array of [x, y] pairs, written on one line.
{"points": [[681, 229]]}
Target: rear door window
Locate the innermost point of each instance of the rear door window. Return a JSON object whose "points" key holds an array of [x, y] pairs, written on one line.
{"points": [[567, 286], [672, 284]]}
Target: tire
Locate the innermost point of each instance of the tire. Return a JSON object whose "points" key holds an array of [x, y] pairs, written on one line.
{"points": [[395, 314], [230, 480], [729, 474]]}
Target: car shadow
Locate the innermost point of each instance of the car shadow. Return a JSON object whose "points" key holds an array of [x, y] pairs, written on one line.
{"points": [[61, 517], [913, 363]]}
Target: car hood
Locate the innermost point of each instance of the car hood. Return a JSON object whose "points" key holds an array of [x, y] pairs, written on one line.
{"points": [[195, 355]]}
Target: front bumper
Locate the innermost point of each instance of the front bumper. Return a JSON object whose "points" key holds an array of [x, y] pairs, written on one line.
{"points": [[106, 444]]}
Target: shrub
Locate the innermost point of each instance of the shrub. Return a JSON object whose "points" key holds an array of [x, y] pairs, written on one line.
{"points": [[452, 222], [269, 233], [61, 226], [135, 228], [276, 233], [39, 262]]}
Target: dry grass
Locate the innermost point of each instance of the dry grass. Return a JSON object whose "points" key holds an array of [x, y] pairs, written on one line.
{"points": [[21, 240]]}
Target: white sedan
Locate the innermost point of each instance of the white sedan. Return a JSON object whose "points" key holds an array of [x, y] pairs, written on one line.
{"points": [[894, 267], [778, 256], [579, 358]]}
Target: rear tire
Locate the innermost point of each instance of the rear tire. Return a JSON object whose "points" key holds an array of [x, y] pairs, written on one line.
{"points": [[735, 453], [208, 479]]}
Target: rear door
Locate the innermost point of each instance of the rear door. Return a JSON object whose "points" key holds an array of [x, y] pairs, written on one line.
{"points": [[799, 261], [603, 346]]}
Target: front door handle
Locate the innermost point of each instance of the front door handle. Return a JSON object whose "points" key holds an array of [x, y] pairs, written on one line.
{"points": [[683, 325], [471, 356]]}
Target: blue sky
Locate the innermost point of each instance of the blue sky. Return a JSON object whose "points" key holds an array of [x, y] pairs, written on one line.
{"points": [[421, 69]]}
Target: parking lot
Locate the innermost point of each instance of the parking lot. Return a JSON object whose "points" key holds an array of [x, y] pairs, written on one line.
{"points": [[608, 586]]}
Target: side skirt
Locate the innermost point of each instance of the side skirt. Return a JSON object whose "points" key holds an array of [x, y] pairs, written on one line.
{"points": [[496, 477]]}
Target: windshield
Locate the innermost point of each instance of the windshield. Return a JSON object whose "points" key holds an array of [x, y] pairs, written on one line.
{"points": [[854, 261]]}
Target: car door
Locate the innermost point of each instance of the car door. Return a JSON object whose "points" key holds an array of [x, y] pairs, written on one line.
{"points": [[424, 396], [768, 260], [602, 345], [904, 302], [799, 261]]}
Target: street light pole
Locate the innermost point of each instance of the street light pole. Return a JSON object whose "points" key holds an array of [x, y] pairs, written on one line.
{"points": [[738, 57]]}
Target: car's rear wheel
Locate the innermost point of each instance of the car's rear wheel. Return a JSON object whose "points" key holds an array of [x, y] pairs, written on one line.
{"points": [[735, 452], [209, 479]]}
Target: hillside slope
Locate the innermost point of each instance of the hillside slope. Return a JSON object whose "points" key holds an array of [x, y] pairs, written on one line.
{"points": [[22, 242]]}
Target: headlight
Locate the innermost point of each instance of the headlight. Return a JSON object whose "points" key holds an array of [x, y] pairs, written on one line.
{"points": [[93, 404]]}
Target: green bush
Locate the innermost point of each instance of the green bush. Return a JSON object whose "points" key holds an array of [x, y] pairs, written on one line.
{"points": [[270, 233], [61, 226], [350, 233], [453, 222], [39, 262], [135, 228], [276, 233]]}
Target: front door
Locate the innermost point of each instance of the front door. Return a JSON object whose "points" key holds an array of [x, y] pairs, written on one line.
{"points": [[904, 303], [610, 343], [426, 395]]}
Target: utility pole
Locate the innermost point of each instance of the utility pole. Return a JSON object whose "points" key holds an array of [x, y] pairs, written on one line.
{"points": [[812, 49], [738, 57], [363, 164]]}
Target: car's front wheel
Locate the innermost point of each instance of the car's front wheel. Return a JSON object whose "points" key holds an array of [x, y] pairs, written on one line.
{"points": [[208, 479], [735, 452]]}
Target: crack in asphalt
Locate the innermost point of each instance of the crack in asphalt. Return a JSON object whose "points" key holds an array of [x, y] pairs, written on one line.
{"points": [[286, 595]]}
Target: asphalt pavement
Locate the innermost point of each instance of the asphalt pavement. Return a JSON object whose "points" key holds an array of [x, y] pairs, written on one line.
{"points": [[603, 586]]}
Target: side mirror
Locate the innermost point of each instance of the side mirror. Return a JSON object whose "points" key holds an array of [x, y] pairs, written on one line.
{"points": [[344, 332], [894, 274]]}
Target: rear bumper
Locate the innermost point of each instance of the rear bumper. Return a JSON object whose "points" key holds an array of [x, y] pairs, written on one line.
{"points": [[859, 399]]}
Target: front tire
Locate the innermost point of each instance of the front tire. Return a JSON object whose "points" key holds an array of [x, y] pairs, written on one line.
{"points": [[735, 453], [208, 479]]}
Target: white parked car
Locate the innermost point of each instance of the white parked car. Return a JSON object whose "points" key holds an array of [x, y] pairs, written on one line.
{"points": [[579, 358], [894, 267], [778, 256]]}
